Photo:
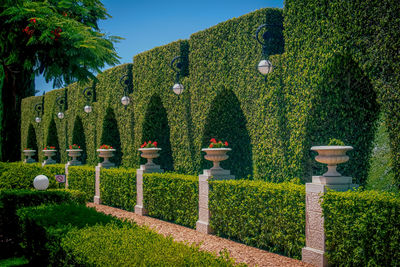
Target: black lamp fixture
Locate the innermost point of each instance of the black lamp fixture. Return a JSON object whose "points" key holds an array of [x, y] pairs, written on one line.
{"points": [[88, 94], [60, 101], [265, 66], [124, 81], [176, 66], [39, 112]]}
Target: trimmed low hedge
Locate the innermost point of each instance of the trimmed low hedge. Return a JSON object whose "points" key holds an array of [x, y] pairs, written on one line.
{"points": [[111, 245], [362, 228], [172, 197], [264, 215], [82, 178], [18, 175], [118, 188], [43, 227], [12, 200]]}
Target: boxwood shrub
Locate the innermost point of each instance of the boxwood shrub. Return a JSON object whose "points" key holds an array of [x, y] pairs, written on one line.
{"points": [[118, 188], [260, 214], [112, 245], [18, 175], [172, 197], [362, 228], [12, 200], [82, 178]]}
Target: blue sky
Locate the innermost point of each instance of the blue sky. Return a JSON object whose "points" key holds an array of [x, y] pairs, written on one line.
{"points": [[147, 24]]}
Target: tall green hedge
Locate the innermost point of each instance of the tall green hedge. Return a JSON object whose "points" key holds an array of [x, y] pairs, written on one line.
{"points": [[362, 228], [82, 178], [330, 73]]}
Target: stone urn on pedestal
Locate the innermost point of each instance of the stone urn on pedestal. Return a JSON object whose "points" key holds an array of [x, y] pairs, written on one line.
{"points": [[49, 152], [332, 156], [74, 154], [150, 154], [106, 154], [216, 155], [29, 153]]}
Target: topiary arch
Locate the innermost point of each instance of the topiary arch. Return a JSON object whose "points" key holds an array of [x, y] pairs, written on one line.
{"points": [[110, 135], [78, 137], [52, 139]]}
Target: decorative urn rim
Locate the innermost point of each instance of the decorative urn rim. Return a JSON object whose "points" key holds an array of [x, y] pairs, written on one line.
{"points": [[29, 150], [216, 148], [74, 150], [345, 148], [150, 149], [49, 150], [104, 149]]}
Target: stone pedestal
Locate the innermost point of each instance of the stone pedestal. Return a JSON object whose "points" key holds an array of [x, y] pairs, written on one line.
{"points": [[147, 168], [97, 199], [314, 251], [203, 224]]}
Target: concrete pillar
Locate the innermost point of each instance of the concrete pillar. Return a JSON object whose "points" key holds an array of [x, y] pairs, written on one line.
{"points": [[147, 168], [314, 251], [97, 199], [203, 224], [66, 176]]}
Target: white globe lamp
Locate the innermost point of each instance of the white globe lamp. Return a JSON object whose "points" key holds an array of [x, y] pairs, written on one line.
{"points": [[125, 100], [38, 119], [265, 66], [87, 109], [41, 182], [178, 88], [60, 115]]}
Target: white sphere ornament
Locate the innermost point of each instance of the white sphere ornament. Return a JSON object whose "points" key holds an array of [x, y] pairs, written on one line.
{"points": [[87, 109], [60, 115], [177, 88], [265, 66], [38, 119], [41, 182], [125, 100]]}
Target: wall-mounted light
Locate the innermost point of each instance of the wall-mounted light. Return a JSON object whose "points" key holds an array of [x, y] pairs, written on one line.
{"points": [[88, 94], [60, 101], [124, 81], [265, 66], [177, 67], [39, 112]]}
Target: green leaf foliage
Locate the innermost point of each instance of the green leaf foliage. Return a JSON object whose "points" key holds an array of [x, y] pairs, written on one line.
{"points": [[118, 188], [264, 215], [172, 197], [111, 245], [18, 175], [12, 200], [82, 178], [362, 228]]}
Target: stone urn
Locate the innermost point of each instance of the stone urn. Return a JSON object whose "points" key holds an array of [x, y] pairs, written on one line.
{"points": [[150, 154], [49, 153], [29, 154], [106, 154], [332, 156], [216, 155], [74, 153]]}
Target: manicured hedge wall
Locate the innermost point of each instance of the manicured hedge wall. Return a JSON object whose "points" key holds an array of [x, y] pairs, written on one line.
{"points": [[265, 215], [82, 178], [118, 188], [19, 175], [172, 197], [325, 85], [362, 228]]}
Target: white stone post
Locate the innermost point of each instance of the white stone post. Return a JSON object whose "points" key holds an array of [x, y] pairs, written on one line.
{"points": [[140, 206], [66, 175], [314, 251], [97, 199], [203, 224]]}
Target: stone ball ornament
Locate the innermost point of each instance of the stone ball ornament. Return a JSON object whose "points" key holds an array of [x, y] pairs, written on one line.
{"points": [[41, 182]]}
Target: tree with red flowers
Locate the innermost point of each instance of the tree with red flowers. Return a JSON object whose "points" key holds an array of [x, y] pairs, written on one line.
{"points": [[60, 40]]}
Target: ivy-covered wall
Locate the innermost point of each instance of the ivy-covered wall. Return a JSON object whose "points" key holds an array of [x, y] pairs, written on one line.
{"points": [[323, 86]]}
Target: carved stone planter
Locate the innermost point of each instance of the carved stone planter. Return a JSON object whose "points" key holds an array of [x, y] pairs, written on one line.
{"points": [[49, 153], [74, 153], [332, 156], [150, 154], [29, 154], [216, 155], [106, 154]]}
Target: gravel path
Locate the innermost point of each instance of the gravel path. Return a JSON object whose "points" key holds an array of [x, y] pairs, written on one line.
{"points": [[241, 253]]}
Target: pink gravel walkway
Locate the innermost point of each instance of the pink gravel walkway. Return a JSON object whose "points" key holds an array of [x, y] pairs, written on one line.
{"points": [[241, 253]]}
